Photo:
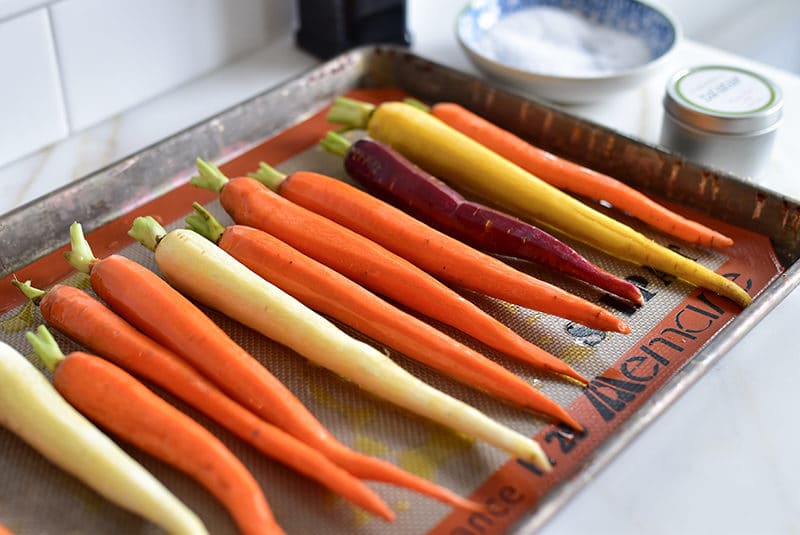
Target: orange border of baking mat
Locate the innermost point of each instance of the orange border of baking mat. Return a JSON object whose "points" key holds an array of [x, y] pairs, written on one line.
{"points": [[604, 405], [608, 400], [613, 396]]}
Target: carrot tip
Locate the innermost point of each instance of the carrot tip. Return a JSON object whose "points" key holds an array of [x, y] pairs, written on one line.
{"points": [[631, 293], [387, 514], [572, 423], [565, 370], [471, 505], [581, 379], [559, 415], [721, 241]]}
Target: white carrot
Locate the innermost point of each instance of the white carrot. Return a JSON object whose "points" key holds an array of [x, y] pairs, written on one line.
{"points": [[203, 271], [31, 408]]}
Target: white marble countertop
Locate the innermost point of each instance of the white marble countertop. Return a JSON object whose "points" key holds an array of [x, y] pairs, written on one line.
{"points": [[721, 459]]}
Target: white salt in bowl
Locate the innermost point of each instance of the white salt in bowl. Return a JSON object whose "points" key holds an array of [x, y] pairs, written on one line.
{"points": [[568, 51]]}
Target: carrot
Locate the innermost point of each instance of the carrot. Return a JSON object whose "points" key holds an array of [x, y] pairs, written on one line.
{"points": [[32, 409], [4, 530], [252, 204], [90, 323], [334, 295], [387, 174], [570, 176], [455, 158], [208, 274], [155, 308], [116, 401], [440, 255]]}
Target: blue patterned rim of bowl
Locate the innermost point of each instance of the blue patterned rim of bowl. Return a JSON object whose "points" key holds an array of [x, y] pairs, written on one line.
{"points": [[632, 17]]}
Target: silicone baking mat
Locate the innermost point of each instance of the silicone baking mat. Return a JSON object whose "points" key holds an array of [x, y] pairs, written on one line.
{"points": [[675, 325]]}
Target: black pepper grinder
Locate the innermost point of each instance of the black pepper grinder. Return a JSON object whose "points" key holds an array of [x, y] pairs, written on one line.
{"points": [[330, 27]]}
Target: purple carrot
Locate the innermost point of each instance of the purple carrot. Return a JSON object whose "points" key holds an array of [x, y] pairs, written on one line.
{"points": [[388, 175]]}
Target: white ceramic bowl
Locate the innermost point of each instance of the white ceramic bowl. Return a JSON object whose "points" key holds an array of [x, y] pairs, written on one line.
{"points": [[567, 51]]}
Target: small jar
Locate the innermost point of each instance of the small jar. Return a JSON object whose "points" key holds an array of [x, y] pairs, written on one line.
{"points": [[723, 117]]}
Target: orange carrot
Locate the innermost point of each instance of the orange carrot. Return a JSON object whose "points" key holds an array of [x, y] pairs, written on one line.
{"points": [[4, 530], [440, 255], [116, 401], [250, 203], [575, 178], [154, 307], [90, 323], [332, 294]]}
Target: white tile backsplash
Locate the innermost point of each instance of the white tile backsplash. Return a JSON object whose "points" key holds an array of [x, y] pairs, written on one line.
{"points": [[115, 54], [31, 106], [78, 62]]}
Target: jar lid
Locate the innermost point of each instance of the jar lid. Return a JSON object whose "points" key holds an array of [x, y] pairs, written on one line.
{"points": [[722, 99]]}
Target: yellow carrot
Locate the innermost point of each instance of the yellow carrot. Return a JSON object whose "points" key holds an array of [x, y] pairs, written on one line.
{"points": [[450, 155], [569, 176]]}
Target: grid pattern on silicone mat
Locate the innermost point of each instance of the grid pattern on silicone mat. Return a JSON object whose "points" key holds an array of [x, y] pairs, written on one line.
{"points": [[357, 419]]}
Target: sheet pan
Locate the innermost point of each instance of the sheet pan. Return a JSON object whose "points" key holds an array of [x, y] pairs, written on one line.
{"points": [[31, 232]]}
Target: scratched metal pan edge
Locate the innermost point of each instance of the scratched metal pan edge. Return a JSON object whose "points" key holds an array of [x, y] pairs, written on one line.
{"points": [[37, 228]]}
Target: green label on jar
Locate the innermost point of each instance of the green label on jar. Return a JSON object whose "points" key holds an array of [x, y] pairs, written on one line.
{"points": [[725, 90]]}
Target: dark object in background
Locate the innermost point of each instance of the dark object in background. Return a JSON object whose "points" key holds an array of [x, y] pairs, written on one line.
{"points": [[329, 27]]}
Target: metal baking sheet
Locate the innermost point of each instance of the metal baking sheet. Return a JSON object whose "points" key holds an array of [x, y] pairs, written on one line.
{"points": [[281, 125]]}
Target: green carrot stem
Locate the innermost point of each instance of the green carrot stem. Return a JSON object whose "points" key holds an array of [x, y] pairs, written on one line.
{"points": [[335, 143], [352, 113], [80, 256], [45, 347], [268, 175], [204, 223], [210, 177], [34, 294], [147, 231], [418, 104]]}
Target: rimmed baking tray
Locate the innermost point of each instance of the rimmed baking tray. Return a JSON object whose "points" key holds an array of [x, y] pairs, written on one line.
{"points": [[676, 337]]}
